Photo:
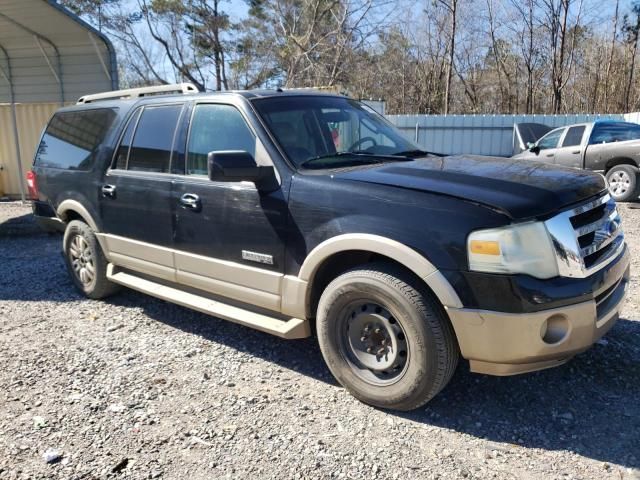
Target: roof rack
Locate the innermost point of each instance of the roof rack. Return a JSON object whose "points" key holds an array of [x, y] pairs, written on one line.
{"points": [[183, 88]]}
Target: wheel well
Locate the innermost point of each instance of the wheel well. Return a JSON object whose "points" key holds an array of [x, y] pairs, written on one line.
{"points": [[619, 161], [337, 264], [70, 215]]}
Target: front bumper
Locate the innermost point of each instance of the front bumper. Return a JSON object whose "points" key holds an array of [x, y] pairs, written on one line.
{"points": [[499, 343]]}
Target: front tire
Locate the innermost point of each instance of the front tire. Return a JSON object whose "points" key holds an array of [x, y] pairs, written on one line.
{"points": [[384, 338], [85, 261], [623, 183]]}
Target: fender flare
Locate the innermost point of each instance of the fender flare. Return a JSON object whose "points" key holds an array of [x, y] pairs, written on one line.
{"points": [[393, 249], [77, 207], [621, 160]]}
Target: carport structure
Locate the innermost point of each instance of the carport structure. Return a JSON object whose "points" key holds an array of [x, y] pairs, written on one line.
{"points": [[48, 57]]}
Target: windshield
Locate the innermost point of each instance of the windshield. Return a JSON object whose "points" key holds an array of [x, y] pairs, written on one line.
{"points": [[331, 132]]}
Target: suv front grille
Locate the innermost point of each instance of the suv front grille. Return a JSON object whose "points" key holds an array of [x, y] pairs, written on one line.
{"points": [[587, 238]]}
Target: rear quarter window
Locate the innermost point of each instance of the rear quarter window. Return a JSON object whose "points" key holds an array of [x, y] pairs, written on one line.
{"points": [[614, 132], [71, 139]]}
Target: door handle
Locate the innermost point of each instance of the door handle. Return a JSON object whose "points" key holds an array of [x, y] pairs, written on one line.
{"points": [[550, 154], [108, 191], [190, 201], [575, 152]]}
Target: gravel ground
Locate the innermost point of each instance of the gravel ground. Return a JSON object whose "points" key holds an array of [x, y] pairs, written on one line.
{"points": [[134, 387]]}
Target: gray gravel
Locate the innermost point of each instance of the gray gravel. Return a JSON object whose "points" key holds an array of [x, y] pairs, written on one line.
{"points": [[134, 387]]}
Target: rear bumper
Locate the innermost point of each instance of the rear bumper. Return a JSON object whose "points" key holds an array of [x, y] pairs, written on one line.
{"points": [[498, 343], [46, 218]]}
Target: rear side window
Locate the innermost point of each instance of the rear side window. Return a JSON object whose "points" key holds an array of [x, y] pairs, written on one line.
{"points": [[153, 139], [614, 132], [216, 127], [71, 139], [573, 136]]}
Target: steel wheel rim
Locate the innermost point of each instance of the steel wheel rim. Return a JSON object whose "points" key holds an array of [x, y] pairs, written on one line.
{"points": [[374, 343], [81, 259], [619, 183]]}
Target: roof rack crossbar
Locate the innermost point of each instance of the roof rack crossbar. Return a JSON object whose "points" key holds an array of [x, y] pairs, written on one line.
{"points": [[183, 88]]}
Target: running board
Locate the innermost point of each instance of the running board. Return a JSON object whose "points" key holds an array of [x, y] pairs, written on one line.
{"points": [[289, 329]]}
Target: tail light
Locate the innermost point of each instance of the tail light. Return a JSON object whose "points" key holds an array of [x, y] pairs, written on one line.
{"points": [[32, 185]]}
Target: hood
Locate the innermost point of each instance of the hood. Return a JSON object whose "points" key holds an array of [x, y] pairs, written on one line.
{"points": [[527, 133], [519, 188]]}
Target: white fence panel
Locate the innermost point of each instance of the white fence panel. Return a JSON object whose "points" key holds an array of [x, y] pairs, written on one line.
{"points": [[632, 117]]}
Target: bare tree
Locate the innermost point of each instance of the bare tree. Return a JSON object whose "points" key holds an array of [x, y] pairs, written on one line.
{"points": [[632, 30], [481, 56], [607, 74], [562, 38], [452, 7]]}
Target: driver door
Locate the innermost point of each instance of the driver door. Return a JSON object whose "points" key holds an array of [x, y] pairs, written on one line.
{"points": [[548, 145], [229, 237]]}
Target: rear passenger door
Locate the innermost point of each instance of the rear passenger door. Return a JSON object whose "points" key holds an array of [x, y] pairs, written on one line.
{"points": [[569, 154], [229, 237], [136, 192]]}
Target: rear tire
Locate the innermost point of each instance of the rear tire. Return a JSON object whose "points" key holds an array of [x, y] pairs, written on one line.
{"points": [[623, 183], [86, 262], [384, 338]]}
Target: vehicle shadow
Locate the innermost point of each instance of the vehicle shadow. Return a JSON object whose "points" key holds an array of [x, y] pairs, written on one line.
{"points": [[588, 406], [18, 226], [302, 355]]}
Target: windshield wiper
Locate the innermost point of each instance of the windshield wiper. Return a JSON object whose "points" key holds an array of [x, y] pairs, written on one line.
{"points": [[416, 153], [361, 156]]}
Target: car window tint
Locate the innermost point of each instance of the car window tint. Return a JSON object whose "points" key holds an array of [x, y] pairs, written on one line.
{"points": [[321, 126], [573, 136], [153, 139], [550, 140], [614, 132], [71, 139], [216, 127], [123, 149], [299, 134], [633, 132]]}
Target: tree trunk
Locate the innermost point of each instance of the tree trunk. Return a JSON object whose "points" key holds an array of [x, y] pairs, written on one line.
{"points": [[610, 62], [634, 51], [452, 48]]}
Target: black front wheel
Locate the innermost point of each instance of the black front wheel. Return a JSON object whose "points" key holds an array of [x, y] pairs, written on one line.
{"points": [[384, 338]]}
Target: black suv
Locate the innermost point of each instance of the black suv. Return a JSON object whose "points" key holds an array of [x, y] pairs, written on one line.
{"points": [[294, 211]]}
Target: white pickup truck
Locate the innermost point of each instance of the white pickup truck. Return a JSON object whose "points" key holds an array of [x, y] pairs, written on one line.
{"points": [[609, 147]]}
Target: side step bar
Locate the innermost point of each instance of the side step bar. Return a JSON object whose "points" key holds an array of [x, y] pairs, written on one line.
{"points": [[289, 329]]}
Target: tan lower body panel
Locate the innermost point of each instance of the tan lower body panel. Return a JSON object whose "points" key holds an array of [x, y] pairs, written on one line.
{"points": [[246, 284], [291, 328], [139, 256], [498, 343]]}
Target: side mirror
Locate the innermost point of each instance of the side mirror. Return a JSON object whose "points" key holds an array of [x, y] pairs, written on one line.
{"points": [[532, 147], [238, 166]]}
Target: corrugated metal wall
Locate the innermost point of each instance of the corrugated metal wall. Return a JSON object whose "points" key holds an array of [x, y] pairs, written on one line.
{"points": [[31, 119], [477, 134]]}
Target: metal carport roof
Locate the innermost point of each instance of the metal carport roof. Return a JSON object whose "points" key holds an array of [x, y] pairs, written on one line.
{"points": [[49, 54]]}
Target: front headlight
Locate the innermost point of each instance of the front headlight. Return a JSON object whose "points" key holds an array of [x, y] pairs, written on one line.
{"points": [[524, 248]]}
